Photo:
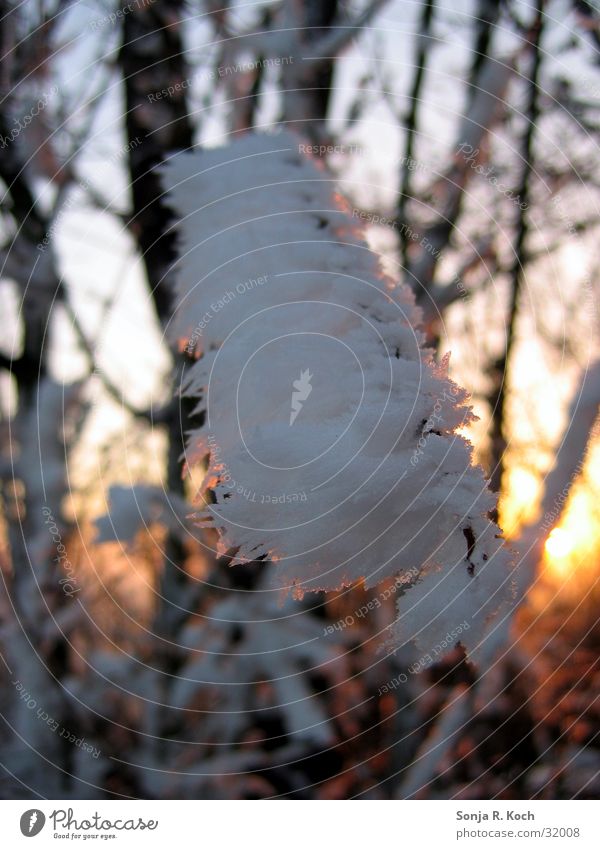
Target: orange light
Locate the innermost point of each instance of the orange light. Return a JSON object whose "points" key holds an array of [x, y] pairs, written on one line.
{"points": [[519, 504], [560, 544]]}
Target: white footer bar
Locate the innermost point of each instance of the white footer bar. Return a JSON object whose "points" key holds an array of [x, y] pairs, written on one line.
{"points": [[301, 824]]}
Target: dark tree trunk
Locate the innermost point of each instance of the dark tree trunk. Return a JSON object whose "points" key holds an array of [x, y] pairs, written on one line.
{"points": [[501, 369], [156, 77]]}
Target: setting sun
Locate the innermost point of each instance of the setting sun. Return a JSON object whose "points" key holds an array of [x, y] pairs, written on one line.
{"points": [[560, 544]]}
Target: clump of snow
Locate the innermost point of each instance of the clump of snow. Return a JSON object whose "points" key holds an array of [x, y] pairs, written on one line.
{"points": [[330, 433]]}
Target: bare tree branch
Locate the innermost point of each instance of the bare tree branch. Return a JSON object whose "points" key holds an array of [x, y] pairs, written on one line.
{"points": [[338, 37], [498, 401], [490, 89], [410, 121]]}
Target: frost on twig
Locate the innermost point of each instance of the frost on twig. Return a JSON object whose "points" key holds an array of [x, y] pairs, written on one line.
{"points": [[288, 312]]}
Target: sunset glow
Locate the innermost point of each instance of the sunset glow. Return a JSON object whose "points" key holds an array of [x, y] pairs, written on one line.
{"points": [[573, 546], [560, 544]]}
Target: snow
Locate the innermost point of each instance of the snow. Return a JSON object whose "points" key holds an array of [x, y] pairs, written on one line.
{"points": [[371, 479]]}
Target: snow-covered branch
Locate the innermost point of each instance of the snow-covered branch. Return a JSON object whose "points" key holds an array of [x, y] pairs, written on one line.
{"points": [[283, 301]]}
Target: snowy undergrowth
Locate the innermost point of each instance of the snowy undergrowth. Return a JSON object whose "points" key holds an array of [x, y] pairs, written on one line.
{"points": [[330, 432]]}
